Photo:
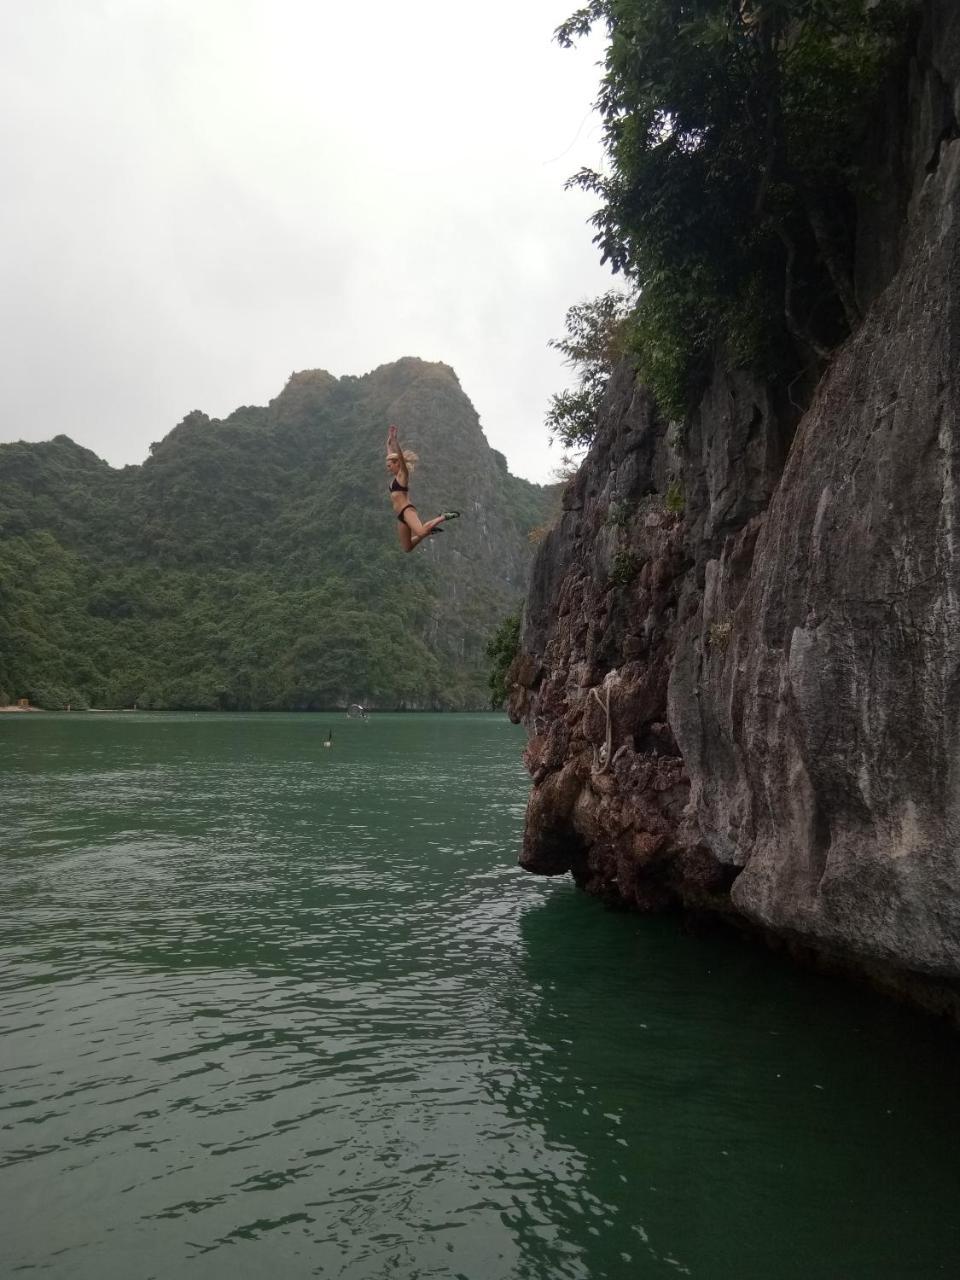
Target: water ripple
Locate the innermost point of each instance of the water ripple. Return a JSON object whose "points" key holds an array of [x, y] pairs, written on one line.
{"points": [[293, 1014]]}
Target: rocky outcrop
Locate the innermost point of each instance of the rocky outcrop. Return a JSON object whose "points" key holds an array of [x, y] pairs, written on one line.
{"points": [[740, 664]]}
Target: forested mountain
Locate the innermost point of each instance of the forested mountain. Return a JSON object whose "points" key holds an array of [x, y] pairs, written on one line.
{"points": [[253, 562]]}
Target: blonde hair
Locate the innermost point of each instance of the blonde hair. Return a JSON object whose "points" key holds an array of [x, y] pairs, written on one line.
{"points": [[409, 457]]}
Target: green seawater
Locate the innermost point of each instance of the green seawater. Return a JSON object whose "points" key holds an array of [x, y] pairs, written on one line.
{"points": [[269, 1009]]}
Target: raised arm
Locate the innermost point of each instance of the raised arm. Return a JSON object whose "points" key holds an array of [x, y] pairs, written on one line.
{"points": [[393, 446]]}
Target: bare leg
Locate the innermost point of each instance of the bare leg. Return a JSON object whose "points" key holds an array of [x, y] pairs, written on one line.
{"points": [[413, 530], [429, 526]]}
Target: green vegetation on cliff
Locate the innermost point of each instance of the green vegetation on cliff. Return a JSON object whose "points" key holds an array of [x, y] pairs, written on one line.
{"points": [[502, 648], [253, 562], [733, 131]]}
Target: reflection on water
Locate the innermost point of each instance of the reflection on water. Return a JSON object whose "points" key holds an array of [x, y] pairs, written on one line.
{"points": [[268, 1007], [734, 1116]]}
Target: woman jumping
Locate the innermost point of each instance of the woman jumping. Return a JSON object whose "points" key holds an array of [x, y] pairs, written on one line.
{"points": [[412, 530]]}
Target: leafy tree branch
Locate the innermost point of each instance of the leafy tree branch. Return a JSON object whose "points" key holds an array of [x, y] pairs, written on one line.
{"points": [[732, 131]]}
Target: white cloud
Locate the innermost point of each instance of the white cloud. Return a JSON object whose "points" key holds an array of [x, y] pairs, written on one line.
{"points": [[203, 195]]}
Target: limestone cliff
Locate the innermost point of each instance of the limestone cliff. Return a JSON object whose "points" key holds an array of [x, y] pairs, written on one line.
{"points": [[740, 661]]}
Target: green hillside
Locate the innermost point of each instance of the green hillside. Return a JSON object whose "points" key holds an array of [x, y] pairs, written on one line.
{"points": [[253, 562]]}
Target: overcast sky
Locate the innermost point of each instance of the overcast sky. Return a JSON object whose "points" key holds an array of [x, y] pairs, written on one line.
{"points": [[201, 196]]}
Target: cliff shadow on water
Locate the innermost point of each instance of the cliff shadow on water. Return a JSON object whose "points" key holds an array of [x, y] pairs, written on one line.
{"points": [[701, 1106], [740, 658]]}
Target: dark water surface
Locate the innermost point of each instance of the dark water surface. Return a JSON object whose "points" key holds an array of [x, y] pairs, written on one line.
{"points": [[272, 1010]]}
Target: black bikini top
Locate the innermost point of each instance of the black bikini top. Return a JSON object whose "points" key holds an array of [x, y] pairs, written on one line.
{"points": [[398, 488]]}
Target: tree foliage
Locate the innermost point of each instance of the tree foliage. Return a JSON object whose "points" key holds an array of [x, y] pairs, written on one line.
{"points": [[502, 648], [732, 130], [597, 336]]}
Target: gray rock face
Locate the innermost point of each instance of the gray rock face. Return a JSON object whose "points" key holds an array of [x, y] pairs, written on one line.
{"points": [[832, 707], [754, 707]]}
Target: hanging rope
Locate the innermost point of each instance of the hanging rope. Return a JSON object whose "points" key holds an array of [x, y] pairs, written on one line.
{"points": [[602, 759]]}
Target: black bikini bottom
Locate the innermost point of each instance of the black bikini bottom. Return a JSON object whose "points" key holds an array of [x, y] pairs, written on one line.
{"points": [[408, 507]]}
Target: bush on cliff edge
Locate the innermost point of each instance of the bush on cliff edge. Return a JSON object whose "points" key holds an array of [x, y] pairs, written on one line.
{"points": [[732, 130]]}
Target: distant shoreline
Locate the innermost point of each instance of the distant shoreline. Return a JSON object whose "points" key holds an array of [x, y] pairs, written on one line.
{"points": [[197, 711], [81, 710]]}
